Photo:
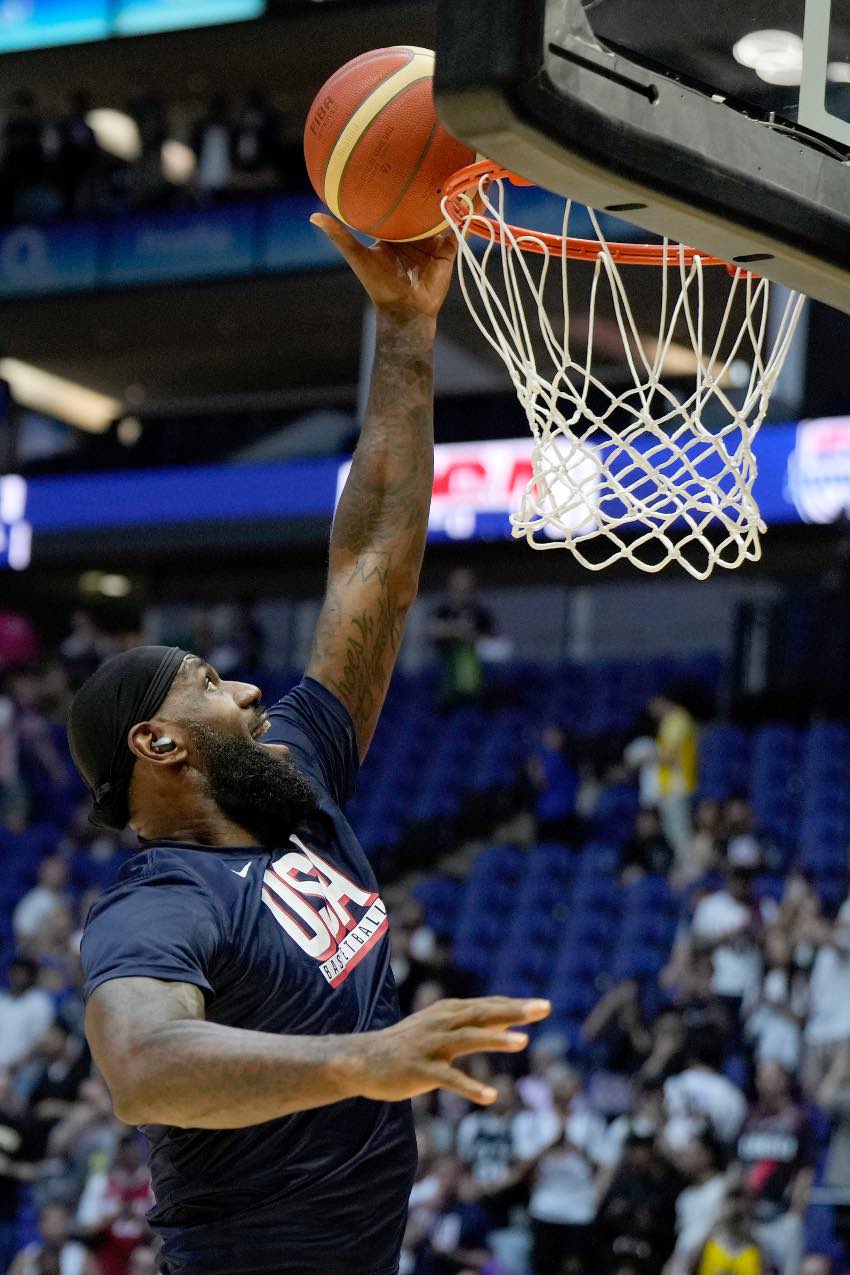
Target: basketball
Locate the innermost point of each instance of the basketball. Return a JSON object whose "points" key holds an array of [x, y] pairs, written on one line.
{"points": [[376, 153]]}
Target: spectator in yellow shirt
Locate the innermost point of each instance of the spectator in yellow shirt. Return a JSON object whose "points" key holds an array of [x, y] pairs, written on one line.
{"points": [[731, 1249], [677, 746]]}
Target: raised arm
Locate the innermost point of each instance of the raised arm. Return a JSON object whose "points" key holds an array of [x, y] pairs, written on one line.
{"points": [[379, 531], [165, 1064]]}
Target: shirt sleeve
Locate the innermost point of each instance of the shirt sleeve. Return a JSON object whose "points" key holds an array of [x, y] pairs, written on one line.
{"points": [[319, 730], [159, 922], [701, 922]]}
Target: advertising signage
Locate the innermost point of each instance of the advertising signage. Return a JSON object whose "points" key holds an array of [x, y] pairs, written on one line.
{"points": [[38, 24], [138, 17], [804, 477]]}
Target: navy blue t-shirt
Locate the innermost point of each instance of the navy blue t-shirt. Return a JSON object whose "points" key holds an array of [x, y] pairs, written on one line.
{"points": [[293, 942]]}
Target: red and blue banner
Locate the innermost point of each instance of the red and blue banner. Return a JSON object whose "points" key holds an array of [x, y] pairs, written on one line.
{"points": [[804, 477]]}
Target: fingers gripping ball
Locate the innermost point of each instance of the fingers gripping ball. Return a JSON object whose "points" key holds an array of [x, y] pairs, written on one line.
{"points": [[376, 152]]}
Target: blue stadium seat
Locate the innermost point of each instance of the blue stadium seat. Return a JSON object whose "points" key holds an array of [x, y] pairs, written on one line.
{"points": [[640, 961], [598, 858], [724, 762], [573, 1000], [820, 1231]]}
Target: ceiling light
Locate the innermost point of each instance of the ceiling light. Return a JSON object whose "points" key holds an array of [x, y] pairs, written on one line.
{"points": [[178, 162], [116, 133], [51, 395], [114, 586], [754, 47], [783, 76], [105, 583], [13, 498], [20, 546], [129, 431], [775, 56]]}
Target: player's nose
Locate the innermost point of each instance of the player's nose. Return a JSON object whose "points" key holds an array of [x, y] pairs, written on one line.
{"points": [[245, 693]]}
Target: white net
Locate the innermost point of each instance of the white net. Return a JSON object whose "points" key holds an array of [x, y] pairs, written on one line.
{"points": [[650, 474]]}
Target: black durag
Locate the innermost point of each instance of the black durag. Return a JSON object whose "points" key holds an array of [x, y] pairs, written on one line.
{"points": [[124, 691]]}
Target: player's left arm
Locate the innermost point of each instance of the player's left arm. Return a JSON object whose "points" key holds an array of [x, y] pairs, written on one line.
{"points": [[381, 522]]}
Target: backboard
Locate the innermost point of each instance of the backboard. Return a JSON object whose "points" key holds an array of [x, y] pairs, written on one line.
{"points": [[724, 124]]}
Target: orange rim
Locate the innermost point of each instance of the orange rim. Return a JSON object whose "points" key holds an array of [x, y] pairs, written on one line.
{"points": [[539, 241]]}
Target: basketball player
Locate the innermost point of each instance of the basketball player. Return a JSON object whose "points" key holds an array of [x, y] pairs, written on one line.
{"points": [[239, 997]]}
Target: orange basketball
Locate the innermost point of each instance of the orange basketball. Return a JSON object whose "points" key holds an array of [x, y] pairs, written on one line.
{"points": [[376, 152]]}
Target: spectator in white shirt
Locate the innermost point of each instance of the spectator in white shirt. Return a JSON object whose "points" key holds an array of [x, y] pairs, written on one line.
{"points": [[641, 757], [775, 1014], [567, 1142], [700, 1095], [26, 1012], [729, 922], [41, 902], [828, 1024], [702, 1161]]}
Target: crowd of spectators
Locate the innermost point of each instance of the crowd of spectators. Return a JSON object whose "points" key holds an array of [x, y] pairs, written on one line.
{"points": [[62, 165], [74, 1185], [683, 1133], [685, 1130]]}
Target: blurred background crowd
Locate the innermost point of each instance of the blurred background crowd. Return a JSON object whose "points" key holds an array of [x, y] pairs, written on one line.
{"points": [[91, 160], [687, 1106]]}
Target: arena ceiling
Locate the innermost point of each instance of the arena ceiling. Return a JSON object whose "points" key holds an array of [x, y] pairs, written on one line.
{"points": [[280, 339]]}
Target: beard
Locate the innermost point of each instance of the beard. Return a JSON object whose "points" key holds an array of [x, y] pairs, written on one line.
{"points": [[264, 794]]}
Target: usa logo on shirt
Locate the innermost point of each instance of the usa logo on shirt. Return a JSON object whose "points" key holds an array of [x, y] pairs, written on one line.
{"points": [[330, 917]]}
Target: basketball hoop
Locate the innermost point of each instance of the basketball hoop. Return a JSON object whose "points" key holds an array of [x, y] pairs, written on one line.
{"points": [[655, 473]]}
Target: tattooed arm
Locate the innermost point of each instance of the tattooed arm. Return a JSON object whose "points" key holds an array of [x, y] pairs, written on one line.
{"points": [[379, 531], [166, 1064], [378, 535]]}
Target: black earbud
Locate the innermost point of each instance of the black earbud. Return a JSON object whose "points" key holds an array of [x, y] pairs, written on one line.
{"points": [[163, 745]]}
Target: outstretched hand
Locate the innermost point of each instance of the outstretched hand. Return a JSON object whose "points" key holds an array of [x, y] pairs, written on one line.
{"points": [[406, 279], [416, 1055]]}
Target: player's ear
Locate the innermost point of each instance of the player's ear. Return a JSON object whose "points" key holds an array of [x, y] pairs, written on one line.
{"points": [[162, 742]]}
